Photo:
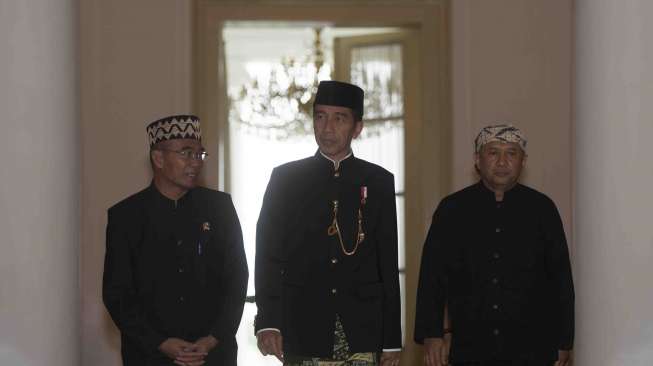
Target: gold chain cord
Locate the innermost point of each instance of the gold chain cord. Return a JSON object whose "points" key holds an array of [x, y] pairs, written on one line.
{"points": [[334, 229]]}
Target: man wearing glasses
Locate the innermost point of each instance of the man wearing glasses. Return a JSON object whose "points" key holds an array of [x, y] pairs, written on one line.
{"points": [[175, 273]]}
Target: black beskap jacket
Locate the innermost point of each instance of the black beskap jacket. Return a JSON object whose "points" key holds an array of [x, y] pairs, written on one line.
{"points": [[174, 269], [303, 279], [503, 269]]}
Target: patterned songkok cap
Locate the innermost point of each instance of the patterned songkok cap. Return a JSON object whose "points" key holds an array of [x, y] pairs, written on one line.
{"points": [[502, 133], [174, 127]]}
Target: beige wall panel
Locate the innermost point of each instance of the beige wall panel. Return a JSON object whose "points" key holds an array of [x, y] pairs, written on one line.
{"points": [[136, 67], [511, 61]]}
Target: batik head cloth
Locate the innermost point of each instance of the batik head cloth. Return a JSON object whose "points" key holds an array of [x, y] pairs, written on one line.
{"points": [[174, 127], [502, 133]]}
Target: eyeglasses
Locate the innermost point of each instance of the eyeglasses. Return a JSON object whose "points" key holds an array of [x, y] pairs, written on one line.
{"points": [[190, 154]]}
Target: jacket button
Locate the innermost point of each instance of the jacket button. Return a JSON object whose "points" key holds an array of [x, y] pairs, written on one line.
{"points": [[334, 260]]}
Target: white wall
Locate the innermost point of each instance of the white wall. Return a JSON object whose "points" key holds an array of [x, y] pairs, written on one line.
{"points": [[614, 203], [39, 189]]}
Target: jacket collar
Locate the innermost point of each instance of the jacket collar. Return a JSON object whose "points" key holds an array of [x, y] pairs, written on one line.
{"points": [[336, 163]]}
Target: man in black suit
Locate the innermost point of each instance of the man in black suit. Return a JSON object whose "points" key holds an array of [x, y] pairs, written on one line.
{"points": [[496, 258], [327, 284], [175, 273]]}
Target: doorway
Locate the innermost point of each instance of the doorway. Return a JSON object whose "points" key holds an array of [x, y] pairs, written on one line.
{"points": [[272, 72], [408, 139]]}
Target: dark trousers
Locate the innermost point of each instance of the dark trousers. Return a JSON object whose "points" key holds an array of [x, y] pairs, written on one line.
{"points": [[507, 363]]}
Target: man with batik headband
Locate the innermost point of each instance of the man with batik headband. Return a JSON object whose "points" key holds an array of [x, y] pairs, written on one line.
{"points": [[175, 273], [327, 283], [496, 258]]}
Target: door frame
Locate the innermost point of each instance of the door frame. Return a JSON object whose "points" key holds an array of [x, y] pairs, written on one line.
{"points": [[428, 146]]}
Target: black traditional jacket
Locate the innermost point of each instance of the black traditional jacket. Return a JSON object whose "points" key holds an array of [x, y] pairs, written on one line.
{"points": [[503, 269], [303, 278], [174, 269]]}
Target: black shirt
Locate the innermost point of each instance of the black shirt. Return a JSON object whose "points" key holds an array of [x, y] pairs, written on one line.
{"points": [[174, 269], [503, 269]]}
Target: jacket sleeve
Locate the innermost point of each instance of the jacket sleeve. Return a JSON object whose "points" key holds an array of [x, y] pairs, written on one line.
{"points": [[431, 288], [119, 287], [270, 231], [559, 272], [233, 281], [386, 238]]}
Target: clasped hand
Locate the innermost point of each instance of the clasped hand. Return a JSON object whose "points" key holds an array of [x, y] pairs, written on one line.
{"points": [[185, 353]]}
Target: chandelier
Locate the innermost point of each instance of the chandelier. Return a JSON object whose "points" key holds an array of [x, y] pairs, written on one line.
{"points": [[281, 106]]}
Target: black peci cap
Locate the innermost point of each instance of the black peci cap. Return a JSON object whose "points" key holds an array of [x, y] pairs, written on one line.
{"points": [[338, 93]]}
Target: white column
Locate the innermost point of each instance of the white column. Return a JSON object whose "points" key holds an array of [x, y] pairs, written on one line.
{"points": [[39, 183], [614, 182]]}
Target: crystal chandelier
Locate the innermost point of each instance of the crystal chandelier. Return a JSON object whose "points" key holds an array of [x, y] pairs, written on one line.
{"points": [[281, 108]]}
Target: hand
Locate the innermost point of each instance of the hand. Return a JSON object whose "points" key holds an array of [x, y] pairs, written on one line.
{"points": [[390, 358], [183, 353], [564, 358], [436, 351], [194, 355], [206, 344], [270, 342]]}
